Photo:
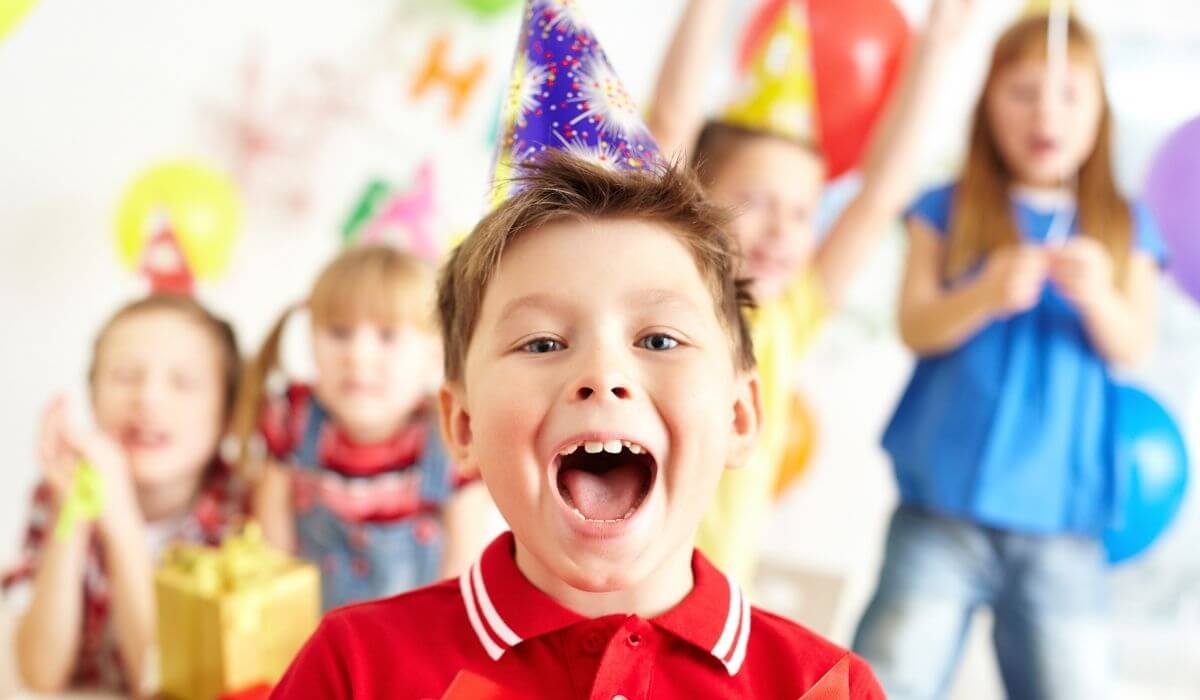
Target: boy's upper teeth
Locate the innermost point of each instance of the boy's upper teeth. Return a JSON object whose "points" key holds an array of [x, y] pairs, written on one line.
{"points": [[597, 446]]}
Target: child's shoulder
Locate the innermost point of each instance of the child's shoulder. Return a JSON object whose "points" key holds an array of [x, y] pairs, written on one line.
{"points": [[407, 615], [1147, 236], [284, 416], [780, 642], [933, 206], [413, 641], [776, 631]]}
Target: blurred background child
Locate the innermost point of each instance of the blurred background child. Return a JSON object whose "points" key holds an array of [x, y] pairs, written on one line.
{"points": [[356, 478], [162, 382], [1027, 281], [772, 174]]}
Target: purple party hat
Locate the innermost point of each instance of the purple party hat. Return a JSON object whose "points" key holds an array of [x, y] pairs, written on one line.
{"points": [[565, 95]]}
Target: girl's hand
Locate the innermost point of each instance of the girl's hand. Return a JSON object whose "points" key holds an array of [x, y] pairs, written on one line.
{"points": [[58, 459], [947, 18], [1083, 272], [1013, 277], [61, 446]]}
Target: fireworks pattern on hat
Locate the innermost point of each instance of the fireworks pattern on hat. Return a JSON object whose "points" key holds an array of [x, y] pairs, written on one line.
{"points": [[566, 96]]}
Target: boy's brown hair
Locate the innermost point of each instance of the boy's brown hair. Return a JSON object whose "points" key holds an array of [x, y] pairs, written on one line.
{"points": [[560, 187]]}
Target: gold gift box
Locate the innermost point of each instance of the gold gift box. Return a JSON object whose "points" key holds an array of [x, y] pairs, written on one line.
{"points": [[231, 617]]}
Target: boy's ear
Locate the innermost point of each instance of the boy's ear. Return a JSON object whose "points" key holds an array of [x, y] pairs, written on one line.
{"points": [[747, 418], [456, 424]]}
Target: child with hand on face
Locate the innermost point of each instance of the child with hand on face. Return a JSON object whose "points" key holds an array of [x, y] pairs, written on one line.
{"points": [[772, 177], [356, 478], [1028, 280], [162, 381]]}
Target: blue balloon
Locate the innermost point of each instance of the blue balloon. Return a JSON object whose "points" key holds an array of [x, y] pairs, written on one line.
{"points": [[1152, 456]]}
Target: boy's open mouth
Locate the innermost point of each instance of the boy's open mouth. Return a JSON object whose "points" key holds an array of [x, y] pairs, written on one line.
{"points": [[605, 481]]}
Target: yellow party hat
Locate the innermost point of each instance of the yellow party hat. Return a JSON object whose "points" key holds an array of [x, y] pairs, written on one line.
{"points": [[777, 91], [1045, 7]]}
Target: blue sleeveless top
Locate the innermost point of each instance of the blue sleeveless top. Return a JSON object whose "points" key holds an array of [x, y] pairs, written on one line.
{"points": [[1015, 427]]}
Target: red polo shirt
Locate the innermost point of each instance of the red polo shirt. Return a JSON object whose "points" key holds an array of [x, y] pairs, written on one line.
{"points": [[495, 623]]}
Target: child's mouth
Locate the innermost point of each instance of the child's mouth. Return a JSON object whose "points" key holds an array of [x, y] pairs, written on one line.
{"points": [[142, 438], [605, 481], [1042, 145]]}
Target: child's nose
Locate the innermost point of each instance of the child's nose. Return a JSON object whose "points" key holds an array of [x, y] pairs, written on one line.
{"points": [[586, 391], [149, 391], [362, 348], [600, 384]]}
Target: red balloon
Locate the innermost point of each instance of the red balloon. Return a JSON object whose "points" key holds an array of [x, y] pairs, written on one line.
{"points": [[858, 48]]}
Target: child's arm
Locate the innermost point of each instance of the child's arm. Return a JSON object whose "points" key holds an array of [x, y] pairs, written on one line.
{"points": [[933, 319], [48, 634], [891, 159], [677, 110], [273, 506], [1120, 320], [130, 571], [464, 518]]}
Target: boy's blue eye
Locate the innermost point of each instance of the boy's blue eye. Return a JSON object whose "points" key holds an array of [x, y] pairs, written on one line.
{"points": [[658, 342], [541, 346]]}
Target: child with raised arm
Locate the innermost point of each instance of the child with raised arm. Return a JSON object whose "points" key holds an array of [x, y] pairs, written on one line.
{"points": [[600, 376], [772, 176]]}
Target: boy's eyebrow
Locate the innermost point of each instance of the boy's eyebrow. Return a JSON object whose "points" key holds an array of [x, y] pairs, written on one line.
{"points": [[662, 297], [641, 298], [535, 302]]}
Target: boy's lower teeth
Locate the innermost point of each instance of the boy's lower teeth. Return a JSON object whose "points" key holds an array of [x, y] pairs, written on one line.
{"points": [[579, 514]]}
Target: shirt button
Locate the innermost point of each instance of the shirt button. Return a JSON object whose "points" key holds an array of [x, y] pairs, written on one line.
{"points": [[634, 640], [620, 697]]}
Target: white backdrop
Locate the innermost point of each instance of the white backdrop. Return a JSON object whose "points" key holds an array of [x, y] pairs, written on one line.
{"points": [[91, 93]]}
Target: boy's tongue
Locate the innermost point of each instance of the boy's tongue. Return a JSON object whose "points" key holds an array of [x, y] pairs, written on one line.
{"points": [[607, 496]]}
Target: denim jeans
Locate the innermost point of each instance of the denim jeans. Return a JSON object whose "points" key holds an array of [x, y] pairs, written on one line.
{"points": [[1048, 594]]}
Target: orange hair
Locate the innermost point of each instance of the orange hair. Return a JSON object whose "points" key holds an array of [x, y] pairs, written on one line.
{"points": [[982, 219]]}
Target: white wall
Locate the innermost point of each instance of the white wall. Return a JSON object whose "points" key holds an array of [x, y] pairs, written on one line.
{"points": [[90, 93]]}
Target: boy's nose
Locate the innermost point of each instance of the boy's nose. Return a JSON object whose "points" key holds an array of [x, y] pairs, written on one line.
{"points": [[586, 391], [600, 386]]}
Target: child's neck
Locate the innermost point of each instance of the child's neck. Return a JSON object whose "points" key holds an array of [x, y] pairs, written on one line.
{"points": [[369, 435], [1044, 194], [661, 590], [167, 500], [379, 431]]}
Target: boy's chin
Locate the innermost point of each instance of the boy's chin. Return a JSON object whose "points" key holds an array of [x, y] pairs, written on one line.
{"points": [[596, 573]]}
